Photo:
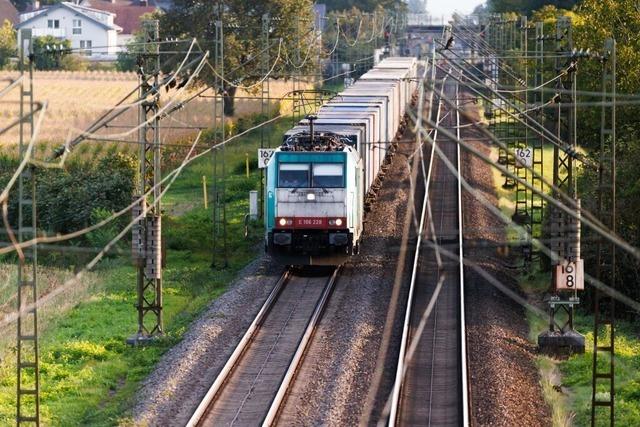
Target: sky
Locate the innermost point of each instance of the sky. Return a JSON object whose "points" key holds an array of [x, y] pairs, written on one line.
{"points": [[437, 8]]}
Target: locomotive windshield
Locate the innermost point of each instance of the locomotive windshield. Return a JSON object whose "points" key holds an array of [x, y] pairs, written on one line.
{"points": [[293, 175], [316, 175], [328, 175]]}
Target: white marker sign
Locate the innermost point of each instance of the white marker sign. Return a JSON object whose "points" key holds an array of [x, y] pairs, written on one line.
{"points": [[264, 155], [569, 275], [524, 157]]}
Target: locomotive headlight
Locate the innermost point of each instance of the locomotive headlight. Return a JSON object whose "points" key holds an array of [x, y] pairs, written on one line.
{"points": [[282, 222], [311, 196], [338, 222]]}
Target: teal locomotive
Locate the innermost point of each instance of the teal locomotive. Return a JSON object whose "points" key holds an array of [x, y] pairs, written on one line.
{"points": [[319, 181]]}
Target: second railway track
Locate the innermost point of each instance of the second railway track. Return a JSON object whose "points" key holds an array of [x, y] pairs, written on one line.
{"points": [[254, 382], [431, 381]]}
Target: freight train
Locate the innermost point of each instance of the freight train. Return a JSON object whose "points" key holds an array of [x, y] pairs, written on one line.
{"points": [[319, 181]]}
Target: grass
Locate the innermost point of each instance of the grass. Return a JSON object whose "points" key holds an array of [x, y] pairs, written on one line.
{"points": [[89, 376], [577, 371], [572, 405]]}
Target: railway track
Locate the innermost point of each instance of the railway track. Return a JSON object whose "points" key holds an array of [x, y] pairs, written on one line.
{"points": [[254, 382], [431, 379]]}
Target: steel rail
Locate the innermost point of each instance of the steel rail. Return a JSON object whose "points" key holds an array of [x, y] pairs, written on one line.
{"points": [[463, 332], [289, 377], [401, 367], [237, 354], [400, 370]]}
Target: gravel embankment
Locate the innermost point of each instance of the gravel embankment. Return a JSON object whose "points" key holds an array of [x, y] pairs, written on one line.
{"points": [[171, 393], [337, 384], [505, 388], [341, 361]]}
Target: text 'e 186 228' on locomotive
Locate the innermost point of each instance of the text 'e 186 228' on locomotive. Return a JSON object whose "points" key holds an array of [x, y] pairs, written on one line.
{"points": [[319, 180]]}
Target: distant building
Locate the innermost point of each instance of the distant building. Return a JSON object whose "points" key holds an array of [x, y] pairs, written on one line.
{"points": [[98, 29], [8, 12], [92, 32], [320, 12], [127, 14]]}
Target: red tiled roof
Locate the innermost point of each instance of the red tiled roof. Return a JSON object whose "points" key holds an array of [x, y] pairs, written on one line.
{"points": [[8, 11], [127, 12]]}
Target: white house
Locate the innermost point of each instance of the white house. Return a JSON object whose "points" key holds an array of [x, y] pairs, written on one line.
{"points": [[127, 14], [92, 32]]}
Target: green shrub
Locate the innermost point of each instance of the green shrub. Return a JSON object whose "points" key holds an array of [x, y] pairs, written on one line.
{"points": [[103, 235], [74, 63], [242, 186], [50, 59]]}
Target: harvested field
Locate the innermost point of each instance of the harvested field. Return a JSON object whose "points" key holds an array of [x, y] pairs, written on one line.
{"points": [[76, 99]]}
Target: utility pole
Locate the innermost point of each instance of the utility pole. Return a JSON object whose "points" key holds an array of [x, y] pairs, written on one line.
{"points": [[219, 202], [536, 217], [566, 266], [147, 233], [602, 382], [510, 132], [521, 214], [265, 106], [27, 363]]}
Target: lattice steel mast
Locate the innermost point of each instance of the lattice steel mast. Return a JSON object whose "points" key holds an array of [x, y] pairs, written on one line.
{"points": [[27, 364], [147, 241], [604, 305]]}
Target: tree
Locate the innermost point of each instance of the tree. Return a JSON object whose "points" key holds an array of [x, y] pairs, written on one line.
{"points": [[127, 58], [598, 20], [7, 43], [49, 59], [243, 37], [365, 5], [526, 6]]}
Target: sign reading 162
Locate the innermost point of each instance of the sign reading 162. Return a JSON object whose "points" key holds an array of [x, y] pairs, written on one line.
{"points": [[524, 156], [264, 155]]}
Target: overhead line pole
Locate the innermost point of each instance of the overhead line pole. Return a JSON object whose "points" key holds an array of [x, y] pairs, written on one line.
{"points": [[147, 233], [27, 363], [604, 305], [567, 270], [536, 215], [265, 99], [219, 184]]}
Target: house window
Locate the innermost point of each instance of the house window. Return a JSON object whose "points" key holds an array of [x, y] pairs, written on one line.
{"points": [[77, 26], [53, 23], [85, 45]]}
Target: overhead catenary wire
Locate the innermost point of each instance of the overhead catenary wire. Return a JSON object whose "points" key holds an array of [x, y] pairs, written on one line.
{"points": [[114, 137], [530, 122], [11, 317], [111, 218], [522, 230], [586, 216]]}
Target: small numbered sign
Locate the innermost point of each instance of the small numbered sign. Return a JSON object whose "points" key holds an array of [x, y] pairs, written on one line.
{"points": [[524, 156], [264, 155], [569, 275]]}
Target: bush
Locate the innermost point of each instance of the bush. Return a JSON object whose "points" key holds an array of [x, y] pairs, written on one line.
{"points": [[71, 199], [49, 59], [74, 63], [103, 235]]}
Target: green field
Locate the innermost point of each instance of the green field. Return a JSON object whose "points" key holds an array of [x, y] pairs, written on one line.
{"points": [[88, 374], [574, 373]]}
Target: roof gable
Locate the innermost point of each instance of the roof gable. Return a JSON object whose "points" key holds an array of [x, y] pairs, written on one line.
{"points": [[8, 11], [72, 8], [127, 13]]}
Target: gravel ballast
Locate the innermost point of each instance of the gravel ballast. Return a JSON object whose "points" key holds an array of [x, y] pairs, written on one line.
{"points": [[172, 392], [505, 387], [349, 367]]}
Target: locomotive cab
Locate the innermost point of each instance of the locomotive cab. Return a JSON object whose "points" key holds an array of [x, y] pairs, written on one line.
{"points": [[312, 206]]}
